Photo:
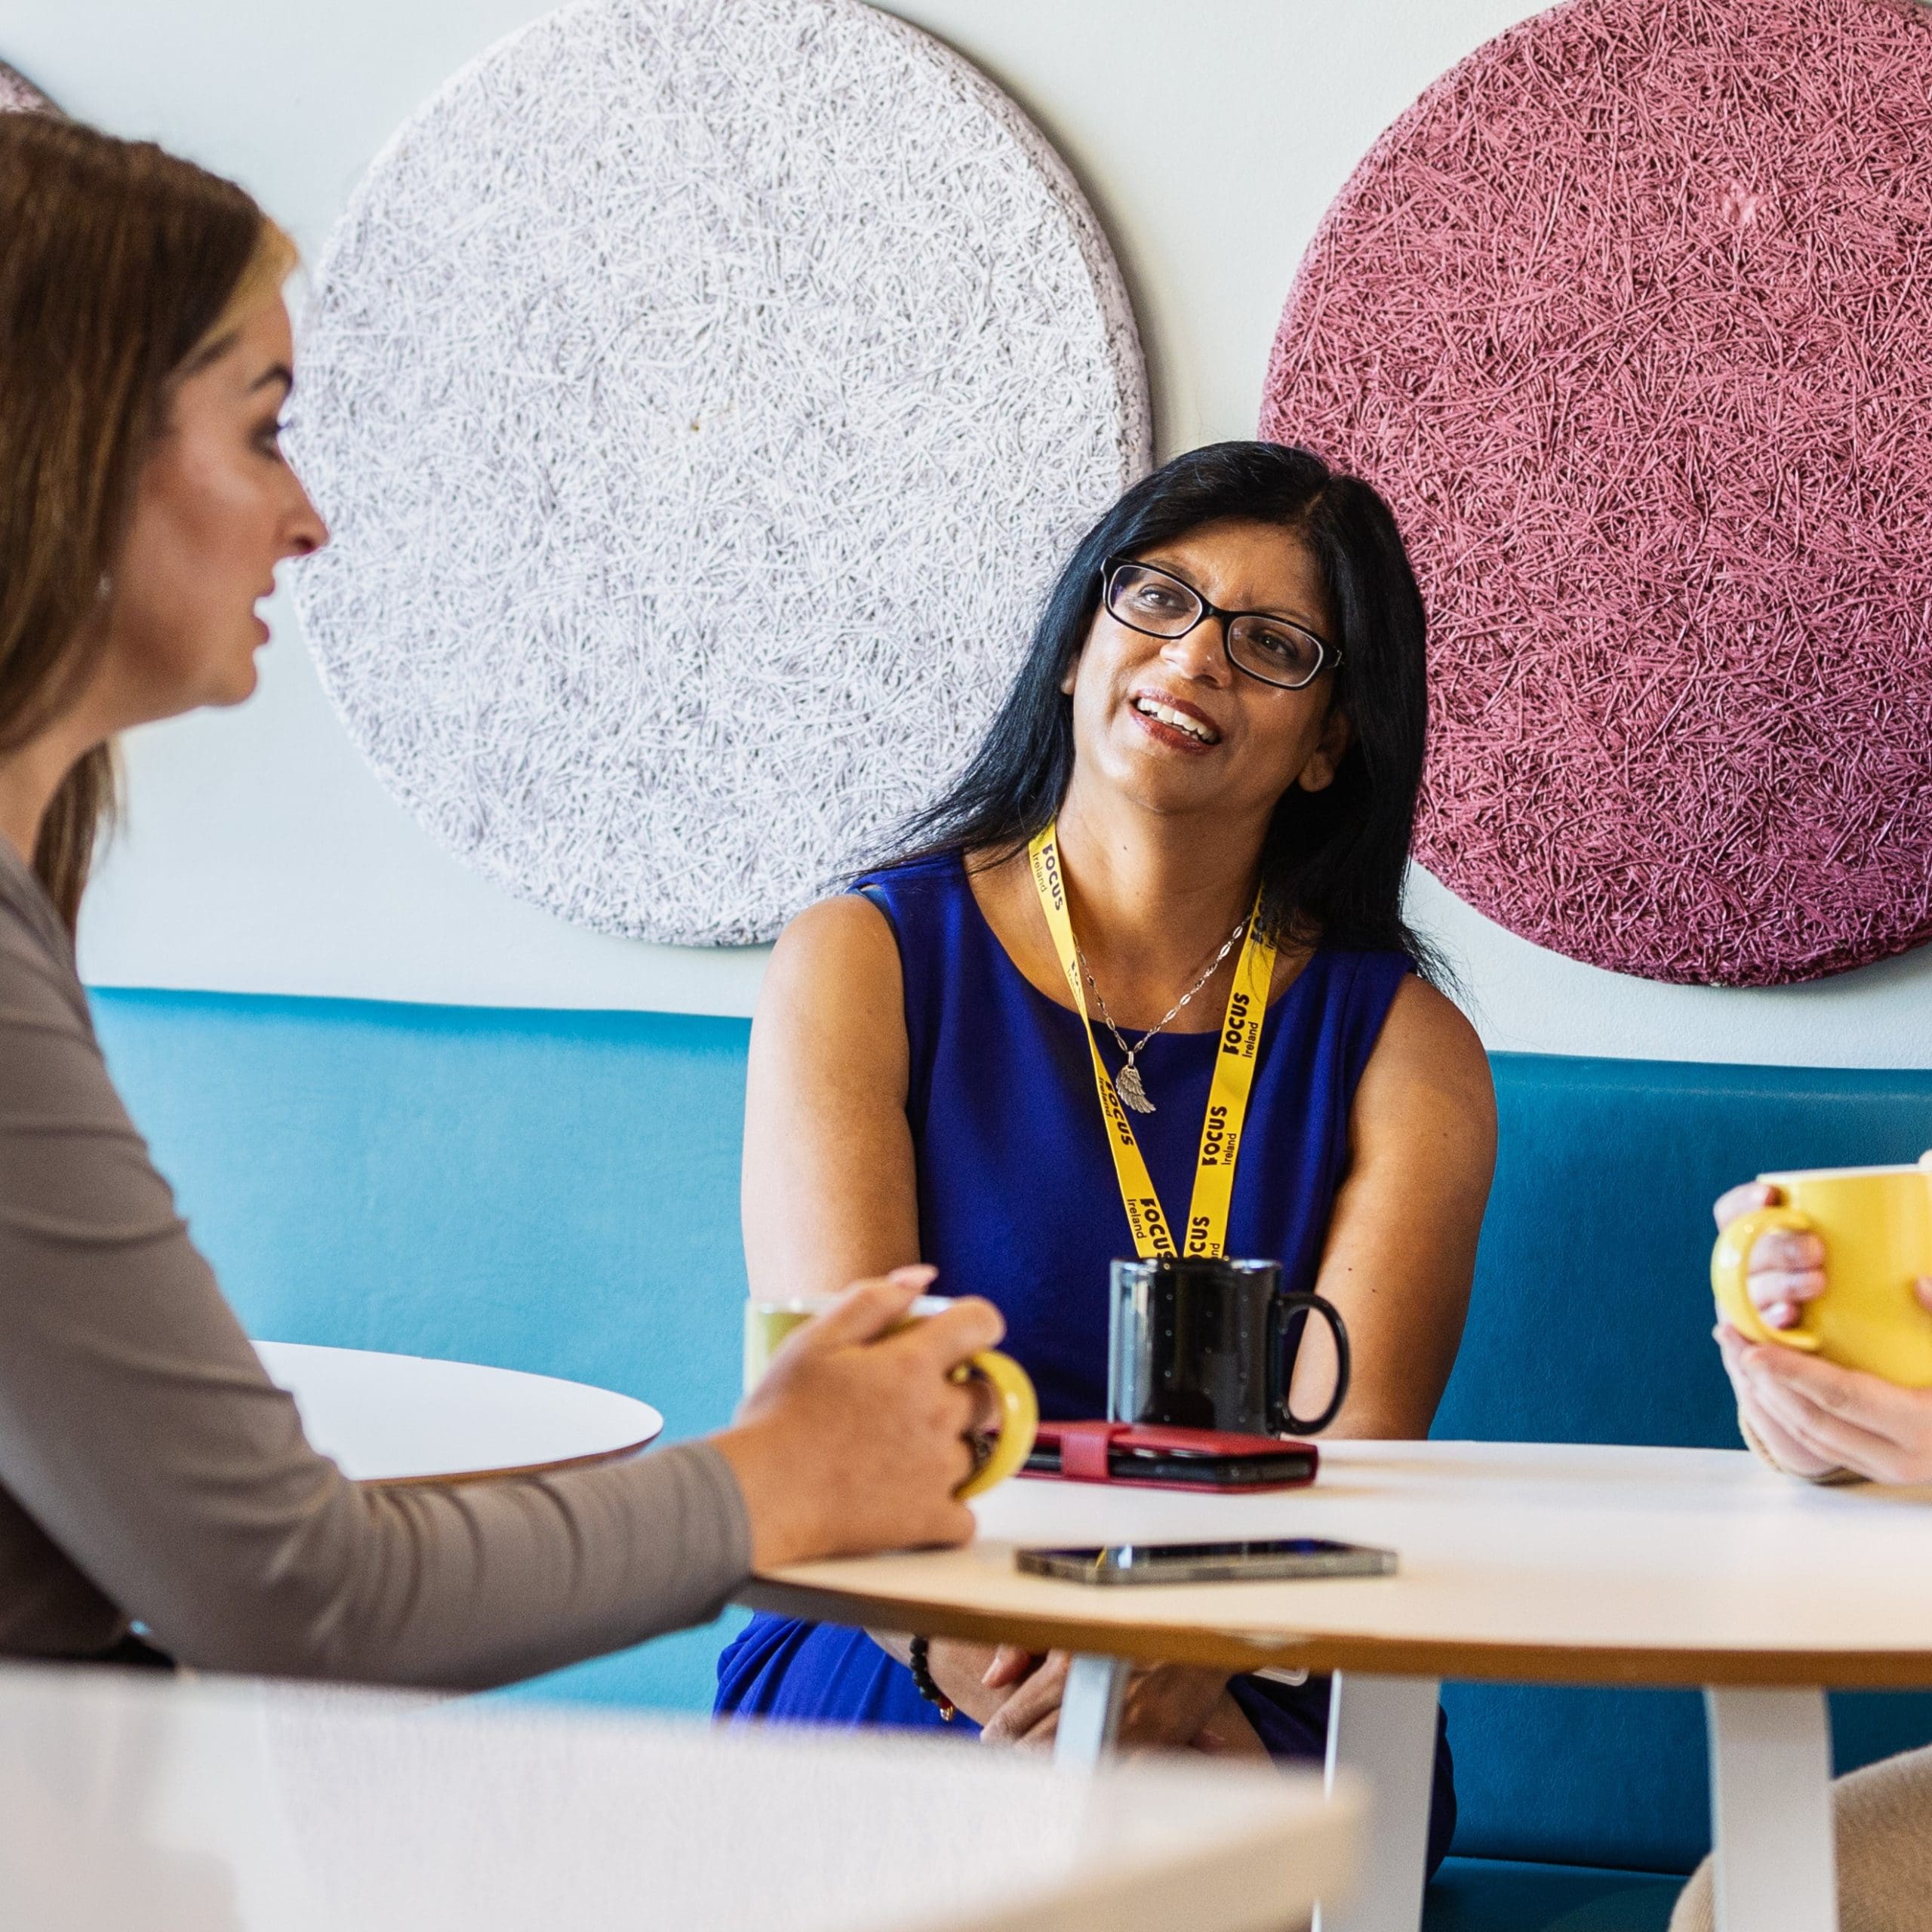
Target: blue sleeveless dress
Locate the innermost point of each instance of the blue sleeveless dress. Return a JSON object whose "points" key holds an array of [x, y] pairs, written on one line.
{"points": [[1018, 1202]]}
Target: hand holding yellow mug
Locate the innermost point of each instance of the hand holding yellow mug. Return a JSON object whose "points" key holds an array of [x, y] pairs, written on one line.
{"points": [[767, 1323], [1876, 1226]]}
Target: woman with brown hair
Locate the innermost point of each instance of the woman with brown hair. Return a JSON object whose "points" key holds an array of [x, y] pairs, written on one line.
{"points": [[150, 1474]]}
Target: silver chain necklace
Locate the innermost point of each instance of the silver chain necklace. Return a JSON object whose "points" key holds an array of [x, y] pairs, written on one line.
{"points": [[1127, 1082]]}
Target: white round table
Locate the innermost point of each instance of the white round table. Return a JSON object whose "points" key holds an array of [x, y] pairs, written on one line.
{"points": [[1519, 1562], [222, 1806], [386, 1418]]}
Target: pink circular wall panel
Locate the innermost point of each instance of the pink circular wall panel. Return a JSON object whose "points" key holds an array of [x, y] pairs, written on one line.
{"points": [[1630, 317]]}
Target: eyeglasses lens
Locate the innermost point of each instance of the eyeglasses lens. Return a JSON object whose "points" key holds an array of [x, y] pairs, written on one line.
{"points": [[1147, 601], [1274, 653]]}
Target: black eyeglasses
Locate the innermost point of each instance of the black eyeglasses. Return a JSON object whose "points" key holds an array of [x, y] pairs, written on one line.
{"points": [[1269, 649]]}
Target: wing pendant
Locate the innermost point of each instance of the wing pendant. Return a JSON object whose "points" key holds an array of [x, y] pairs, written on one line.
{"points": [[1127, 1084]]}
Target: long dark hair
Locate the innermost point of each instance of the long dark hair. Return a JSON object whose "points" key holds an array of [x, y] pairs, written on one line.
{"points": [[1333, 863]]}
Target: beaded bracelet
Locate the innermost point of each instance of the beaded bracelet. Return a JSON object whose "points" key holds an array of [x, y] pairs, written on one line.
{"points": [[922, 1680]]}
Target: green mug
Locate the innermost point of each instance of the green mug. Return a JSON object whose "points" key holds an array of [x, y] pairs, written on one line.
{"points": [[767, 1323]]}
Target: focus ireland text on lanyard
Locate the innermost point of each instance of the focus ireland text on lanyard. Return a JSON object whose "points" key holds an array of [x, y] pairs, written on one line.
{"points": [[1239, 1049]]}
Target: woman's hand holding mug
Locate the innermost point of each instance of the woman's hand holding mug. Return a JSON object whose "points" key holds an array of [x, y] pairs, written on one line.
{"points": [[1786, 1266], [1813, 1417], [856, 1438]]}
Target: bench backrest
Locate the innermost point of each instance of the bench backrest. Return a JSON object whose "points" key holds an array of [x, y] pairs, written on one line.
{"points": [[553, 1191], [558, 1191]]}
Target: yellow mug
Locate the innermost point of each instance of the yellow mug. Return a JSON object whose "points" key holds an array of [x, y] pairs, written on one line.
{"points": [[1876, 1224], [767, 1323]]}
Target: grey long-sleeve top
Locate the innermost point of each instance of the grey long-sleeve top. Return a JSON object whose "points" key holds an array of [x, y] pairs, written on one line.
{"points": [[149, 1470]]}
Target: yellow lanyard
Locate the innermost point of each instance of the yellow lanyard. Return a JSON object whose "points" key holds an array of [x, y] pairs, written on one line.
{"points": [[1227, 1097]]}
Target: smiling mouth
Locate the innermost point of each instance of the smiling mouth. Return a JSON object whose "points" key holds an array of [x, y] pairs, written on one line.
{"points": [[1196, 728]]}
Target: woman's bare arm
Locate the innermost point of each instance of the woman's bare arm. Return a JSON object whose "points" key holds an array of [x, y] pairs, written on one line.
{"points": [[1402, 1243], [829, 1191], [829, 1177]]}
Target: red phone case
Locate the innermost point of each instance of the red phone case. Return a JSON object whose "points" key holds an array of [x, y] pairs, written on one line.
{"points": [[1087, 1450]]}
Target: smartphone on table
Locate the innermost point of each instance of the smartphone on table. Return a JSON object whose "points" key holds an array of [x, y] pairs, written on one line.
{"points": [[1253, 1561], [1146, 1456]]}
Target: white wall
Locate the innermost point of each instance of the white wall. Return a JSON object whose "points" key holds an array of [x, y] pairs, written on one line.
{"points": [[262, 856]]}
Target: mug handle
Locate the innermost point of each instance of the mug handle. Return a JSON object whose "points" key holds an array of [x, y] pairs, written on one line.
{"points": [[1731, 1260], [1019, 1419], [1292, 1301]]}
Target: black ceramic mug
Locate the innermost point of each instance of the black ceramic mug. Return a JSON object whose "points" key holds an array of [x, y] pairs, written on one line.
{"points": [[1200, 1342]]}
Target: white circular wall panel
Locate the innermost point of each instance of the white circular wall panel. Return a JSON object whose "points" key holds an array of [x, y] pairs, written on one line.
{"points": [[703, 394]]}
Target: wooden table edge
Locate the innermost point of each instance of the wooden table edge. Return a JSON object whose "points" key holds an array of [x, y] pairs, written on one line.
{"points": [[1234, 1649]]}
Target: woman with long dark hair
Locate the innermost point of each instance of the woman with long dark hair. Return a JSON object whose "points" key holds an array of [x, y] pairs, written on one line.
{"points": [[1216, 740]]}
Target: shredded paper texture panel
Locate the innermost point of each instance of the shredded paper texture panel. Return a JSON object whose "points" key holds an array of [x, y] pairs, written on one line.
{"points": [[18, 95], [1630, 317], [702, 394]]}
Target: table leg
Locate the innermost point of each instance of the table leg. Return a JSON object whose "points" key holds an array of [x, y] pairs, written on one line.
{"points": [[1382, 1729], [1776, 1867], [1089, 1712]]}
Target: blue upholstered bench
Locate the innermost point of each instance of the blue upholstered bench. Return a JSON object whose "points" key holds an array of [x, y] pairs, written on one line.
{"points": [[558, 1192]]}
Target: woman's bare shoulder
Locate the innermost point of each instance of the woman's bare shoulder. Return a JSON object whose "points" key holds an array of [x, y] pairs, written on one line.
{"points": [[831, 1015], [843, 944], [1427, 1040]]}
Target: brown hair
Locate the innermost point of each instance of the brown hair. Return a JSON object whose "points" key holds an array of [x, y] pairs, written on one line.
{"points": [[122, 266]]}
